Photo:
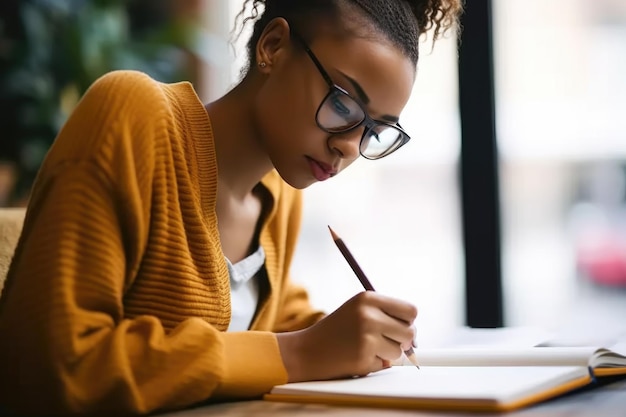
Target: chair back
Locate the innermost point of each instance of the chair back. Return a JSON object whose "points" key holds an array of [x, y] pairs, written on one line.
{"points": [[11, 222]]}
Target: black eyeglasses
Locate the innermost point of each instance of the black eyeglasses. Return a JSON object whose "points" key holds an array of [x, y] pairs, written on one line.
{"points": [[339, 113]]}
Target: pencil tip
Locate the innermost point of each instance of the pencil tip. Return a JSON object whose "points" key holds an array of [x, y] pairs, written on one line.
{"points": [[333, 234], [410, 354]]}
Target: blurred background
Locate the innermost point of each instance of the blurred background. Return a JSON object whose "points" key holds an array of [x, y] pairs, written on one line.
{"points": [[560, 96]]}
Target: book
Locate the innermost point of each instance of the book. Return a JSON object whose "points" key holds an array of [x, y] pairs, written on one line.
{"points": [[599, 361], [461, 379]]}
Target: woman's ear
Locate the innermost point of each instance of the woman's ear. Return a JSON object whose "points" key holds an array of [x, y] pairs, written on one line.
{"points": [[273, 42]]}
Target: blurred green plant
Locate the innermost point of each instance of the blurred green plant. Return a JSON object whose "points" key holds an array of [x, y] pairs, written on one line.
{"points": [[51, 51]]}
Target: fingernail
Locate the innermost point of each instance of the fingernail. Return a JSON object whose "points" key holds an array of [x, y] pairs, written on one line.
{"points": [[414, 343]]}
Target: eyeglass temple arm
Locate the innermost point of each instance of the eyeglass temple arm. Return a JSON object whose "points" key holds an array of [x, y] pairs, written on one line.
{"points": [[318, 64]]}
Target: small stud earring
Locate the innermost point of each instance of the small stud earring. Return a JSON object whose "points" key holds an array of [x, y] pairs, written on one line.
{"points": [[262, 64]]}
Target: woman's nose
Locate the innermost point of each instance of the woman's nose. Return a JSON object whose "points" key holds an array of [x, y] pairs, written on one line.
{"points": [[346, 145]]}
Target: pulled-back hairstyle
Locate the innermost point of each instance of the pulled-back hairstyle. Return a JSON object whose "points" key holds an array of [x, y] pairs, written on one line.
{"points": [[402, 22]]}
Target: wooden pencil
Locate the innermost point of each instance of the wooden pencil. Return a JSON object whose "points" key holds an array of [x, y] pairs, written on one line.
{"points": [[410, 353]]}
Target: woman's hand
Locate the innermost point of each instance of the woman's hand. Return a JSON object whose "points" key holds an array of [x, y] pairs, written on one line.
{"points": [[363, 335]]}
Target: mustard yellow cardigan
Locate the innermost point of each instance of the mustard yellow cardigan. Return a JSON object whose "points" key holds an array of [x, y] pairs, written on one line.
{"points": [[118, 297]]}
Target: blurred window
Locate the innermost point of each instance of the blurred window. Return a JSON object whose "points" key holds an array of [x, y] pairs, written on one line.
{"points": [[560, 72]]}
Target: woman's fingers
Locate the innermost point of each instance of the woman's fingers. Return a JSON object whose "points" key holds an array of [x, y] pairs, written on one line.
{"points": [[361, 336], [401, 310], [402, 336], [392, 327]]}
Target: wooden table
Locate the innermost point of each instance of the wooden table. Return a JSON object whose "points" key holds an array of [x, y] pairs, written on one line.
{"points": [[608, 400]]}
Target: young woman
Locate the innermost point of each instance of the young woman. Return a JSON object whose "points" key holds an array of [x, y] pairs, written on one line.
{"points": [[153, 268]]}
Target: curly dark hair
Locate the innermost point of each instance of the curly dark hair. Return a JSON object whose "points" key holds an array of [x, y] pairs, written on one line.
{"points": [[402, 22]]}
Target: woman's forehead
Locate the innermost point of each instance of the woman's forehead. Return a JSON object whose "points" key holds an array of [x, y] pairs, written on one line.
{"points": [[380, 71]]}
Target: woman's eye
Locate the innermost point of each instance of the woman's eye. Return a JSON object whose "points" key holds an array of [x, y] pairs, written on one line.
{"points": [[339, 107]]}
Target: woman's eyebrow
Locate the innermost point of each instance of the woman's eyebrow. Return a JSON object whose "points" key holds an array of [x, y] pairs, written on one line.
{"points": [[359, 90], [389, 118], [365, 99]]}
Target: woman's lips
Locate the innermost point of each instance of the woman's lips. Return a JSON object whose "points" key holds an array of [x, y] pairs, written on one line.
{"points": [[320, 170]]}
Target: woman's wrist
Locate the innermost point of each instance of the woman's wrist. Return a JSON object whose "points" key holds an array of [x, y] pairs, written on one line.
{"points": [[290, 345]]}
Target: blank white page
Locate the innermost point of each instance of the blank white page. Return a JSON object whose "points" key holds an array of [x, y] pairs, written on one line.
{"points": [[499, 384]]}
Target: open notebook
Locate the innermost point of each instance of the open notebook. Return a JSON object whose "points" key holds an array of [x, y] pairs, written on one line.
{"points": [[478, 379]]}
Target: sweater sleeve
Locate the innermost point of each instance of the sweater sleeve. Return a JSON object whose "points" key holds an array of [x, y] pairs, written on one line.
{"points": [[66, 346], [296, 311]]}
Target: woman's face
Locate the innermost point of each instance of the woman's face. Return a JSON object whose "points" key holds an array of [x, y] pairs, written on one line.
{"points": [[376, 74]]}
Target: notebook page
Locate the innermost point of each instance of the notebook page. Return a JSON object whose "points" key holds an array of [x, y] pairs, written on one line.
{"points": [[497, 384]]}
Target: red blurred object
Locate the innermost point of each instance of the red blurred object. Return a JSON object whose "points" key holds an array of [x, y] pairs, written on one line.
{"points": [[602, 259]]}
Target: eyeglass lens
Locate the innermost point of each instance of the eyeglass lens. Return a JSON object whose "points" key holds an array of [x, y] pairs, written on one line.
{"points": [[380, 140], [339, 113]]}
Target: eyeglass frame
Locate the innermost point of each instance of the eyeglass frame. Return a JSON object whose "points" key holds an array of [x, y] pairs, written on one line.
{"points": [[367, 121]]}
